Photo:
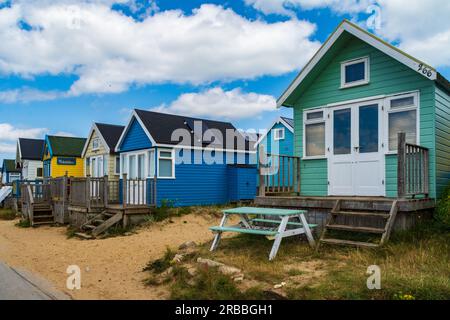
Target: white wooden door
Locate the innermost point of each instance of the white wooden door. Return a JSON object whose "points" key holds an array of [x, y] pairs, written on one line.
{"points": [[137, 175], [356, 158]]}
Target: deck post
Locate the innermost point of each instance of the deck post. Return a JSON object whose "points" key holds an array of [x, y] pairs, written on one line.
{"points": [[124, 190], [105, 191], [297, 175], [262, 181], [88, 192], [401, 164]]}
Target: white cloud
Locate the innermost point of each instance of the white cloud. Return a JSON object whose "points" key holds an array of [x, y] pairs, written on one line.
{"points": [[422, 28], [285, 7], [7, 147], [10, 133], [28, 95], [110, 51], [217, 103]]}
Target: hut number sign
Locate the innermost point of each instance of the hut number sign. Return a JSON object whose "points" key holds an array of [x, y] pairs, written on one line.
{"points": [[426, 71], [67, 161]]}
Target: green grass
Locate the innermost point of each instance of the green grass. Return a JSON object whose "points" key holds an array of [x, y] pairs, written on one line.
{"points": [[442, 212], [7, 214], [23, 224], [414, 265], [160, 265]]}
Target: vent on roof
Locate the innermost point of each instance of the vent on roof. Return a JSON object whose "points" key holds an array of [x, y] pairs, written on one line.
{"points": [[190, 123]]}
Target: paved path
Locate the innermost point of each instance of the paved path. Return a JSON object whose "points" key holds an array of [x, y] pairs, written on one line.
{"points": [[21, 285]]}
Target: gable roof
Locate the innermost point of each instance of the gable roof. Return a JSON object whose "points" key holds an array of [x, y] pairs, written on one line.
{"points": [[108, 133], [65, 146], [287, 122], [30, 149], [160, 126], [346, 27], [9, 165]]}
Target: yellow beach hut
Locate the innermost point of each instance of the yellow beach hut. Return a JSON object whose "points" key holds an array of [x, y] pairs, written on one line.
{"points": [[63, 154]]}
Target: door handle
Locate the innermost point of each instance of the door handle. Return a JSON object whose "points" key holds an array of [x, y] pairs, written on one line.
{"points": [[356, 148]]}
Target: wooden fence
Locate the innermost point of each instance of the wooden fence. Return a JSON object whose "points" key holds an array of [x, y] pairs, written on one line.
{"points": [[34, 193], [138, 192], [412, 169], [278, 174]]}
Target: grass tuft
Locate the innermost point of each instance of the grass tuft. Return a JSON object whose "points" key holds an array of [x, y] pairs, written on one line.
{"points": [[7, 214]]}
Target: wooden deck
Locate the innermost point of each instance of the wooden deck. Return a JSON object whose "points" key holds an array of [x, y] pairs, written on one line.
{"points": [[351, 203]]}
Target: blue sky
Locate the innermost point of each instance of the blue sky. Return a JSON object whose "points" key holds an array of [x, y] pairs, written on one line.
{"points": [[58, 76]]}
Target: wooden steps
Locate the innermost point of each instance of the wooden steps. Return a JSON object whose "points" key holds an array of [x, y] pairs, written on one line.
{"points": [[350, 221], [354, 229], [350, 243], [99, 224]]}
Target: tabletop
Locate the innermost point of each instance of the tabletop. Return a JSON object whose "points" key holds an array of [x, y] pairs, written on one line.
{"points": [[264, 211]]}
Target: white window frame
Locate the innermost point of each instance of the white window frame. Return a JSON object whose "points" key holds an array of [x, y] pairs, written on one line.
{"points": [[366, 79], [95, 140], [172, 151], [281, 134], [314, 121], [151, 165], [125, 165], [416, 106]]}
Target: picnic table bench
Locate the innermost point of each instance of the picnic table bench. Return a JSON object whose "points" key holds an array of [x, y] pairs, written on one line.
{"points": [[278, 229]]}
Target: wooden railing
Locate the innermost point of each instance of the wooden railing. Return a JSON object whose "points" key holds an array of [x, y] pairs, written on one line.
{"points": [[278, 174], [412, 169], [88, 192], [59, 188], [138, 191], [34, 193]]}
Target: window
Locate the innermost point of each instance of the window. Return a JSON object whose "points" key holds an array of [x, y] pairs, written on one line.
{"points": [[151, 163], [117, 167], [402, 117], [278, 134], [166, 164], [314, 129], [39, 172], [355, 72], [95, 144]]}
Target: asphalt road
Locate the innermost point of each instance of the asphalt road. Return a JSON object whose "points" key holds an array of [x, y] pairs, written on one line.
{"points": [[22, 285]]}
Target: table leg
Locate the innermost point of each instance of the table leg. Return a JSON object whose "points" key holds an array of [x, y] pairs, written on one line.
{"points": [[278, 237], [219, 234], [245, 221], [308, 232]]}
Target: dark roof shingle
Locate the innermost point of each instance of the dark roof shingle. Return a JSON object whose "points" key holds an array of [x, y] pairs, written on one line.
{"points": [[162, 125], [9, 165], [289, 121], [66, 146], [31, 149], [111, 133]]}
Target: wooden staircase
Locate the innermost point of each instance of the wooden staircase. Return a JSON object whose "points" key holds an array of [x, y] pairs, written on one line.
{"points": [[99, 224], [349, 220], [42, 214]]}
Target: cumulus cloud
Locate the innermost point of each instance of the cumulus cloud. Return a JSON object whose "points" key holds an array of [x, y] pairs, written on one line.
{"points": [[10, 133], [407, 25], [286, 7], [28, 95], [220, 104], [110, 51]]}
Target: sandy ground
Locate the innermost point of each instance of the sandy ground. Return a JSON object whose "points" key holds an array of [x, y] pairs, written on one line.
{"points": [[111, 268]]}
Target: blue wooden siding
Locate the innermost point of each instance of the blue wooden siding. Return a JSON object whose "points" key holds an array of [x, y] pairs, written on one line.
{"points": [[442, 140], [47, 167], [135, 138], [387, 76], [205, 184], [241, 182]]}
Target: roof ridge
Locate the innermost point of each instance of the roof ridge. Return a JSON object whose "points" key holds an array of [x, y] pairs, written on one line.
{"points": [[183, 116]]}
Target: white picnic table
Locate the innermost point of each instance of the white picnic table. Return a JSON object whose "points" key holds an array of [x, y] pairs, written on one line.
{"points": [[279, 230]]}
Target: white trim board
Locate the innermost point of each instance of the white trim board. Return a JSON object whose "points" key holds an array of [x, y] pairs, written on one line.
{"points": [[367, 37], [91, 132]]}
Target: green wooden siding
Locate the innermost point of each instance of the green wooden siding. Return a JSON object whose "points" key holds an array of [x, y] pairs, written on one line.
{"points": [[387, 76], [442, 140]]}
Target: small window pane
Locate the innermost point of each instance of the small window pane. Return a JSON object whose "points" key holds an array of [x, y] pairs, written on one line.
{"points": [[368, 129], [279, 134], [117, 165], [165, 168], [165, 154], [315, 139], [355, 72], [39, 172], [402, 122], [314, 115], [402, 102], [342, 131]]}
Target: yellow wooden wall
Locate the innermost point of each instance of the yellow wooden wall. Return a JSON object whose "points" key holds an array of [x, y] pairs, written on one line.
{"points": [[58, 170]]}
